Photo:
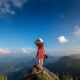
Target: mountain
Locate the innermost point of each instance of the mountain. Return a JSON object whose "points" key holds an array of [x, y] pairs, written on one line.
{"points": [[36, 73], [75, 56], [67, 64], [16, 63], [13, 64], [16, 75], [11, 58], [51, 59]]}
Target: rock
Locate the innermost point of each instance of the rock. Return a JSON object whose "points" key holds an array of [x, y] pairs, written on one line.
{"points": [[37, 73]]}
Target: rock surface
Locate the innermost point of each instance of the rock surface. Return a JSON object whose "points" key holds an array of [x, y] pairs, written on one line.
{"points": [[36, 73]]}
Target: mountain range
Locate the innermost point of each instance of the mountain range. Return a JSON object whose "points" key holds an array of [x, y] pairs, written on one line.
{"points": [[67, 64], [14, 68]]}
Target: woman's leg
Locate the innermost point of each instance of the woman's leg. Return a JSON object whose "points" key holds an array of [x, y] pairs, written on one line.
{"points": [[41, 62]]}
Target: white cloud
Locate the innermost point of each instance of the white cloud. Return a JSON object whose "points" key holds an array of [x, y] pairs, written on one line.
{"points": [[27, 50], [5, 51], [77, 31], [22, 51], [18, 3], [68, 51], [8, 6], [62, 39]]}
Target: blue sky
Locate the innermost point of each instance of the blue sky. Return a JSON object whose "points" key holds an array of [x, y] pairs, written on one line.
{"points": [[23, 21]]}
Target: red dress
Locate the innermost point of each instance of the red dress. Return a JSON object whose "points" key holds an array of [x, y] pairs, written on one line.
{"points": [[40, 52]]}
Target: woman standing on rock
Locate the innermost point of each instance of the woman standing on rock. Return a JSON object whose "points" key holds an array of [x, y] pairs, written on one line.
{"points": [[40, 53]]}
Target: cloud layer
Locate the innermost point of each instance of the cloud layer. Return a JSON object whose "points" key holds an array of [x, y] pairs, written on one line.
{"points": [[7, 51], [77, 31], [27, 50], [8, 6], [67, 51]]}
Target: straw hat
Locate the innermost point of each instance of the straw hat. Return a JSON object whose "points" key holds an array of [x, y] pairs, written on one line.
{"points": [[39, 41]]}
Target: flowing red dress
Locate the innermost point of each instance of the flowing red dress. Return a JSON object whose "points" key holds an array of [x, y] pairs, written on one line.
{"points": [[40, 52]]}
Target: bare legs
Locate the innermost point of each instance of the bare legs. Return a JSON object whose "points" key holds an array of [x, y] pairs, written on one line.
{"points": [[40, 63]]}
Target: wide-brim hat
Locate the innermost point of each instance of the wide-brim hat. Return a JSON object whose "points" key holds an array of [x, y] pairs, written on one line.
{"points": [[39, 40]]}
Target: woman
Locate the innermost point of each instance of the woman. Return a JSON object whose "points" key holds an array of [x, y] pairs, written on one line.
{"points": [[40, 53]]}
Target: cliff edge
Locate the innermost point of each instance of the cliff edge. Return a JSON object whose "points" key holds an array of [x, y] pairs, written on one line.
{"points": [[36, 73]]}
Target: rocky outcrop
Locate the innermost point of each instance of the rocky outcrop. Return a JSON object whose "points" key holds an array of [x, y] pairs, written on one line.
{"points": [[36, 73]]}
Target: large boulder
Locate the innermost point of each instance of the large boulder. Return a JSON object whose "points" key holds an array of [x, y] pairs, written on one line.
{"points": [[37, 73]]}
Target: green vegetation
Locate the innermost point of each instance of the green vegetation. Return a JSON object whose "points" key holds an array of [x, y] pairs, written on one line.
{"points": [[3, 77], [67, 77]]}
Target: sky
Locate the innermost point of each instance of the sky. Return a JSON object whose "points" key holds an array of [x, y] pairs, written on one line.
{"points": [[57, 22]]}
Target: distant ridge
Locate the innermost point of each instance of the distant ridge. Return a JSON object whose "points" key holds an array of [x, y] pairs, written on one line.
{"points": [[67, 64]]}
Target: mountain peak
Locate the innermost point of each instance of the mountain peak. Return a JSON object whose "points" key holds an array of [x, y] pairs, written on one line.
{"points": [[36, 73]]}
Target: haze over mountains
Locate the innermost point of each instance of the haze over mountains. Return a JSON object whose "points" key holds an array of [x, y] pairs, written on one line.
{"points": [[32, 52], [19, 65], [58, 61]]}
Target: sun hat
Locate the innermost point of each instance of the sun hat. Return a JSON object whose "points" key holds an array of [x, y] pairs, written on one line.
{"points": [[41, 40]]}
